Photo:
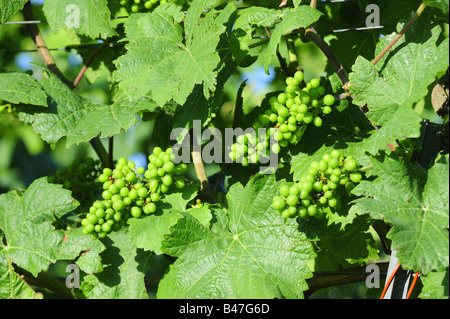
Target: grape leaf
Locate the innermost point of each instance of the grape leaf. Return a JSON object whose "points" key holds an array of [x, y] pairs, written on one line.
{"points": [[85, 17], [148, 232], [124, 267], [441, 4], [163, 63], [76, 118], [31, 241], [10, 7], [399, 79], [244, 25], [435, 286], [75, 241], [341, 247], [12, 285], [18, 88], [249, 252], [417, 206], [299, 17]]}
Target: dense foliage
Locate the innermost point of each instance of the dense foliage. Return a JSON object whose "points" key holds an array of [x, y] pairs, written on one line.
{"points": [[358, 149]]}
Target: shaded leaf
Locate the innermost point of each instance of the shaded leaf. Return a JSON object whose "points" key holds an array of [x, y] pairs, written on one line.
{"points": [[124, 267], [148, 232], [417, 206]]}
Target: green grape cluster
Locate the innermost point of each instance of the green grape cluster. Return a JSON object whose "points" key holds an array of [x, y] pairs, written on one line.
{"points": [[130, 191], [80, 177], [292, 110], [134, 6], [317, 190], [249, 147]]}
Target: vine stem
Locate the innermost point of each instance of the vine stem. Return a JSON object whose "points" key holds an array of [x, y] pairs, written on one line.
{"points": [[366, 168], [84, 68], [400, 34], [311, 34], [200, 168], [50, 63], [41, 46]]}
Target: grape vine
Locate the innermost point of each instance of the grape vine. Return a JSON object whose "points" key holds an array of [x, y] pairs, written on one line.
{"points": [[318, 190], [81, 177], [286, 119], [184, 103], [130, 191]]}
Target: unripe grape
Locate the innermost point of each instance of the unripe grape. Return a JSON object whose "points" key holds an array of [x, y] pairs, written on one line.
{"points": [[284, 190], [299, 75], [282, 97], [106, 194], [150, 208], [356, 177], [278, 203], [103, 178], [180, 183], [140, 170], [328, 99], [88, 228], [317, 121], [332, 202], [308, 117], [292, 200], [142, 192], [312, 210], [118, 205], [303, 212], [135, 211], [315, 83], [106, 227], [350, 164], [326, 110]]}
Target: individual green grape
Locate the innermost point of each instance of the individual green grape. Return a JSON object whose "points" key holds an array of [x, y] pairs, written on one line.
{"points": [[118, 205], [292, 200], [317, 121], [356, 177], [315, 82], [150, 208], [142, 192], [308, 117], [278, 203], [328, 100], [284, 190], [180, 183], [135, 211], [350, 165], [299, 76]]}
